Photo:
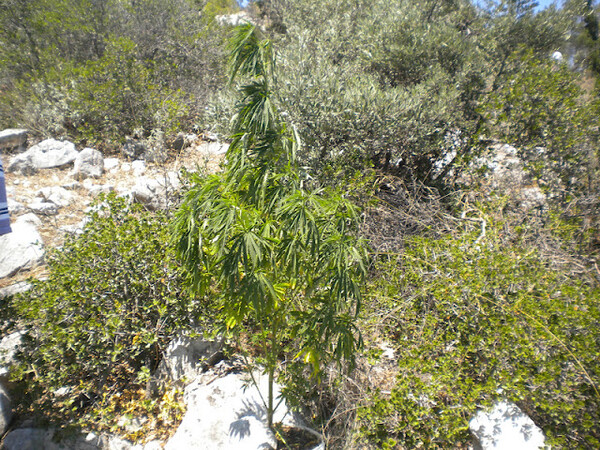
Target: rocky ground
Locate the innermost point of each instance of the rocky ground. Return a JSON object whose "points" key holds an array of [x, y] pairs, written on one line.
{"points": [[59, 196]]}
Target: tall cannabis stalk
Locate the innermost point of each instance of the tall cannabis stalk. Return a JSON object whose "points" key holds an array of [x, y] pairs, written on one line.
{"points": [[275, 250]]}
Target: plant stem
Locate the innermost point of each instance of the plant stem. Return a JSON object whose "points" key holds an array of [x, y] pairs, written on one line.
{"points": [[272, 361]]}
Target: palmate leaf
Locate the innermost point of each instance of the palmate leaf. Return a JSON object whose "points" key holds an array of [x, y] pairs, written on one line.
{"points": [[256, 114], [250, 56]]}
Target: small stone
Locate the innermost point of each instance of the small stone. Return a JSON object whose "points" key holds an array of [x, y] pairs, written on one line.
{"points": [[39, 206], [138, 167], [8, 348], [133, 149], [74, 185], [111, 163], [88, 164], [57, 195], [63, 391]]}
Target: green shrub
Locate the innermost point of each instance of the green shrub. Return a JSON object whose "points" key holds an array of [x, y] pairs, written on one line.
{"points": [[395, 84], [111, 301], [540, 104], [118, 93], [96, 71], [480, 318], [100, 101]]}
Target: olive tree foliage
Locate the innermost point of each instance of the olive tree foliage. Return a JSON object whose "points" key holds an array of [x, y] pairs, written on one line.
{"points": [[279, 252], [395, 84], [32, 32], [60, 59]]}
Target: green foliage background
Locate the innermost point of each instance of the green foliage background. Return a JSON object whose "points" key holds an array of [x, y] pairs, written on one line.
{"points": [[391, 101]]}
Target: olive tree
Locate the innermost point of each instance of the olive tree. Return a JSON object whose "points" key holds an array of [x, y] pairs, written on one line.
{"points": [[280, 252]]}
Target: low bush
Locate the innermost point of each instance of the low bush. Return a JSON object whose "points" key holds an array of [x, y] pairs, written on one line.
{"points": [[99, 322], [478, 317]]}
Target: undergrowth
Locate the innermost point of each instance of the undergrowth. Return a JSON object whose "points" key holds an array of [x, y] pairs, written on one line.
{"points": [[476, 315], [97, 326]]}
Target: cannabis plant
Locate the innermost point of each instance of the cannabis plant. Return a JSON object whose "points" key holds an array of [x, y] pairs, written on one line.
{"points": [[280, 253]]}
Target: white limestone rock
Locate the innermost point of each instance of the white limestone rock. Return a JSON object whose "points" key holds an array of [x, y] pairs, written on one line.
{"points": [[5, 410], [227, 412], [213, 148], [15, 207], [88, 164], [29, 439], [13, 289], [111, 164], [102, 189], [138, 167], [234, 19], [155, 194], [152, 445], [186, 356], [505, 427], [8, 348], [44, 208], [43, 439], [13, 138], [55, 194], [45, 155], [21, 249]]}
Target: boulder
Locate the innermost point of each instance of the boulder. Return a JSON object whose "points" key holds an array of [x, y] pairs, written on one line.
{"points": [[88, 164], [155, 194], [13, 289], [8, 348], [186, 357], [21, 249], [39, 438], [5, 410], [43, 208], [505, 426], [228, 413], [60, 196], [13, 139], [29, 439], [45, 155]]}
